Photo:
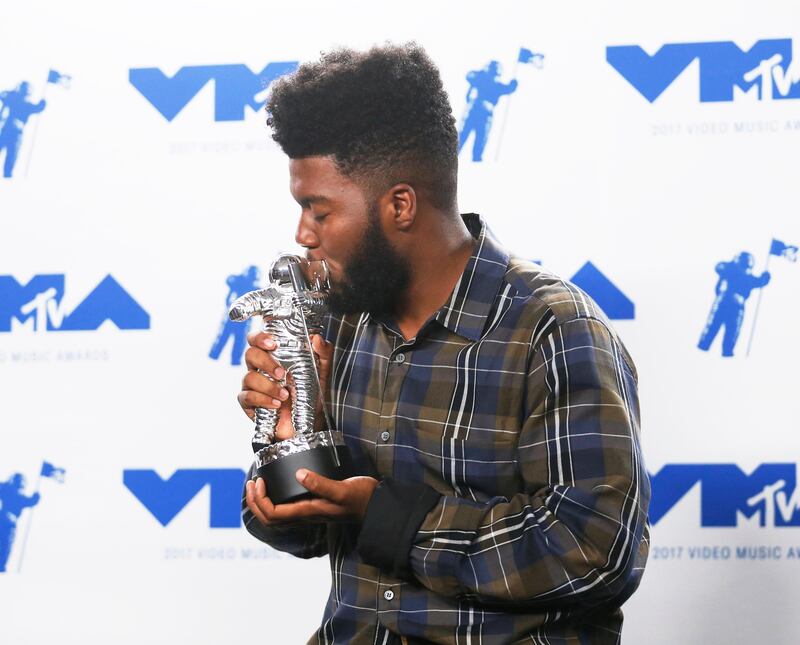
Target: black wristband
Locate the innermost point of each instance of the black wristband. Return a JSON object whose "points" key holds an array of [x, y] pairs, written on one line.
{"points": [[394, 514]]}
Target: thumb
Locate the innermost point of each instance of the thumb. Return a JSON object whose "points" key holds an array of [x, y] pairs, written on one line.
{"points": [[324, 352], [322, 348], [329, 489]]}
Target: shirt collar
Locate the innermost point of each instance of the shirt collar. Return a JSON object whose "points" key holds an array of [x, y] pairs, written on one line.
{"points": [[468, 307]]}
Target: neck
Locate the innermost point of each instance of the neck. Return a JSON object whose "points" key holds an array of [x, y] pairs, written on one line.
{"points": [[440, 250]]}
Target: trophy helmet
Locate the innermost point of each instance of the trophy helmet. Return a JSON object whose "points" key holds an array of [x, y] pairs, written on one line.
{"points": [[301, 273]]}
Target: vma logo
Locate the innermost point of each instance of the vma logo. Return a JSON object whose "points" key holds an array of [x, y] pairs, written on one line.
{"points": [[768, 497], [165, 498], [235, 87], [486, 89], [238, 285], [735, 284], [767, 70], [608, 296], [16, 503], [614, 303], [17, 106], [38, 304]]}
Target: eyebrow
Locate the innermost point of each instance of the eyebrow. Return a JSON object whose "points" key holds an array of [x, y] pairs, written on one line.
{"points": [[309, 199]]}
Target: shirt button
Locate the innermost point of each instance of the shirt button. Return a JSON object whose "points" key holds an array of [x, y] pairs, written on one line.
{"points": [[388, 594], [400, 358], [385, 435]]}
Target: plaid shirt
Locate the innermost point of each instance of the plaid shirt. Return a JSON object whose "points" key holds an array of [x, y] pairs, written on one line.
{"points": [[513, 497]]}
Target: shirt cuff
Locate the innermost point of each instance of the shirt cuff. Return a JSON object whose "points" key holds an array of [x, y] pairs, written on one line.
{"points": [[394, 514]]}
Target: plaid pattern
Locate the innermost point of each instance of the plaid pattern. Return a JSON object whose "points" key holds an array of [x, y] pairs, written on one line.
{"points": [[517, 404]]}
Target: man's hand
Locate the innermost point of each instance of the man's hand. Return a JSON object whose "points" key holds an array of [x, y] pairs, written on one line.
{"points": [[266, 391], [344, 500]]}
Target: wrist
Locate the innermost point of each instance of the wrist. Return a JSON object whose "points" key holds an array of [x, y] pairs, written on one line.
{"points": [[393, 516]]}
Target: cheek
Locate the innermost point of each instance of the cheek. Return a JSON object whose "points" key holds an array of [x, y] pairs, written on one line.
{"points": [[338, 244]]}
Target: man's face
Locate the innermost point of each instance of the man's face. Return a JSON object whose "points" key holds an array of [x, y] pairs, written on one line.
{"points": [[338, 226]]}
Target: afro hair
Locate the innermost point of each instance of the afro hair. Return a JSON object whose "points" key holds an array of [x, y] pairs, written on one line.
{"points": [[382, 115]]}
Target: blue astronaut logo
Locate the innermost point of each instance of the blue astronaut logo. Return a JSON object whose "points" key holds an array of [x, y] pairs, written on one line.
{"points": [[766, 70], [236, 87], [16, 108], [37, 304], [238, 285], [736, 282], [484, 93], [766, 497], [13, 503]]}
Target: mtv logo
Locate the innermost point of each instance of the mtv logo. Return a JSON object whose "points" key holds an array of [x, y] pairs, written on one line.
{"points": [[39, 300], [165, 498], [767, 68], [235, 87], [729, 496]]}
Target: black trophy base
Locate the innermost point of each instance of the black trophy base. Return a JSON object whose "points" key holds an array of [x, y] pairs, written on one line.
{"points": [[279, 475]]}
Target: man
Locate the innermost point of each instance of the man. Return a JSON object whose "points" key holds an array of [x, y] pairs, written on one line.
{"points": [[734, 286], [488, 404]]}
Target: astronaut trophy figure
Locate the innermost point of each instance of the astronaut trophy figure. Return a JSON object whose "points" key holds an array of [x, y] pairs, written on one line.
{"points": [[292, 307]]}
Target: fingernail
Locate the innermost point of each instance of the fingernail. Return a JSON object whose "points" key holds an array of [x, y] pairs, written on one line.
{"points": [[301, 475], [269, 343], [280, 372], [284, 394], [260, 485], [276, 403]]}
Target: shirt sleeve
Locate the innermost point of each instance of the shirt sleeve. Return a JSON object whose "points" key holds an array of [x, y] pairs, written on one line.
{"points": [[576, 534], [303, 539]]}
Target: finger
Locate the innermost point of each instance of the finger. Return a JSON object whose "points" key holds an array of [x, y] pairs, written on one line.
{"points": [[324, 352], [262, 384], [250, 488], [285, 427], [262, 502], [250, 400], [330, 489], [262, 339], [307, 509], [260, 359], [322, 347]]}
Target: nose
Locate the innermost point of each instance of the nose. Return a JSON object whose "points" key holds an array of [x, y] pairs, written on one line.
{"points": [[305, 235]]}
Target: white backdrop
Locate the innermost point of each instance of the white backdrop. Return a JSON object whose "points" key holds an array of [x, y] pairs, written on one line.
{"points": [[653, 194]]}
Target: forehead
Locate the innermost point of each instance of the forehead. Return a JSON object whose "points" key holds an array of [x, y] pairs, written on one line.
{"points": [[314, 178]]}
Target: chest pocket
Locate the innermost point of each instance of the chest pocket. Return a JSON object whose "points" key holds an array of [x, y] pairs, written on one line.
{"points": [[458, 432]]}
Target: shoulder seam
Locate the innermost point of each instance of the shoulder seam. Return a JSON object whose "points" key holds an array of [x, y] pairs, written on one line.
{"points": [[611, 333]]}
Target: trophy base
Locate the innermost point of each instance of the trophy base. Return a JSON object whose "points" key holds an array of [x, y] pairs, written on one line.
{"points": [[279, 475]]}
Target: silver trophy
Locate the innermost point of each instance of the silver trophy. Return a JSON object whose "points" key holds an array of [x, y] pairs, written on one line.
{"points": [[293, 307]]}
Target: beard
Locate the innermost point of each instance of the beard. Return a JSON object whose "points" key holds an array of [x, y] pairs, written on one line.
{"points": [[374, 278]]}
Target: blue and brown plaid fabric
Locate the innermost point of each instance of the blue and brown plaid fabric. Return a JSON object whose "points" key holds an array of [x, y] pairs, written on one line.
{"points": [[513, 503]]}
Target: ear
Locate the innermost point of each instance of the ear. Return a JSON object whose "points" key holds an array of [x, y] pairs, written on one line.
{"points": [[400, 206]]}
